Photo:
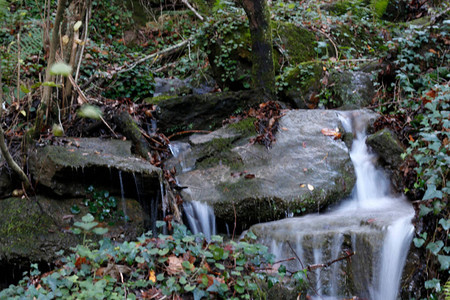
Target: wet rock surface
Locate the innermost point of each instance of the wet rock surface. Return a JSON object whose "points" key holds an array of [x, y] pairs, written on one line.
{"points": [[304, 171], [352, 90], [67, 168]]}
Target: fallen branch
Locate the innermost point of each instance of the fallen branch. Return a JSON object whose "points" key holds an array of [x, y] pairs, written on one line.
{"points": [[157, 55], [193, 10]]}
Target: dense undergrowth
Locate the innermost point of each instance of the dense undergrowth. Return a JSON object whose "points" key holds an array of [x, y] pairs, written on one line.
{"points": [[413, 98], [178, 266]]}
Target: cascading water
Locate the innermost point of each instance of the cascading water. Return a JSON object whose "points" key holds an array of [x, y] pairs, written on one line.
{"points": [[199, 215], [373, 224], [201, 218]]}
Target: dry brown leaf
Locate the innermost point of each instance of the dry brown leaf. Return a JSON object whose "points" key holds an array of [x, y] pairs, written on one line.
{"points": [[175, 265]]}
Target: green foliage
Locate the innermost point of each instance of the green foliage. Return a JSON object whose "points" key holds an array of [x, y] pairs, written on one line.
{"points": [[136, 84], [102, 205], [175, 265], [111, 19], [423, 93], [88, 226]]}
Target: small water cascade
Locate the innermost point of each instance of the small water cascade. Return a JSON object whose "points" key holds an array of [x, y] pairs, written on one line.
{"points": [[122, 192], [373, 223], [199, 215]]}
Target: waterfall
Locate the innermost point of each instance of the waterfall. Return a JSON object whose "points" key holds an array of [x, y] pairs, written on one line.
{"points": [[373, 223], [199, 215]]}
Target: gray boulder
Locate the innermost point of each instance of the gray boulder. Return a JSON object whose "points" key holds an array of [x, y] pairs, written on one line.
{"points": [[351, 89], [69, 167], [386, 145], [304, 171]]}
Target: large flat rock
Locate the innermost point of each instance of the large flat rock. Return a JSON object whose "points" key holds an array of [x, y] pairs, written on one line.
{"points": [[304, 171], [70, 166]]}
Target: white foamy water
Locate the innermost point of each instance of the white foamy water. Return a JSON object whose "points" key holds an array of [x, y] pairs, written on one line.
{"points": [[372, 219], [200, 217]]}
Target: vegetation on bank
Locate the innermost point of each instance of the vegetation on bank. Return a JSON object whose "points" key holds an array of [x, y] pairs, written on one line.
{"points": [[413, 98], [177, 266]]}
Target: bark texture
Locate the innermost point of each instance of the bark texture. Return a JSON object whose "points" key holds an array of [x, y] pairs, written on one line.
{"points": [[263, 73]]}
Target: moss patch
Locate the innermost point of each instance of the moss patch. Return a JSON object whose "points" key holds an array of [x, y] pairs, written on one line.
{"points": [[246, 127], [298, 42], [219, 151], [22, 229]]}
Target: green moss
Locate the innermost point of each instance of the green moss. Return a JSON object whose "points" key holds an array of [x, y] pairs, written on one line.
{"points": [[379, 7], [219, 151], [297, 41], [246, 127], [22, 225], [158, 99]]}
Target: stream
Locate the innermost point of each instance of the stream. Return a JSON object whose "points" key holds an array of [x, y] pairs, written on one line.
{"points": [[373, 223]]}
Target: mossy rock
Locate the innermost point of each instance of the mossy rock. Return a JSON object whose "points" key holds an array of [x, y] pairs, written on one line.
{"points": [[303, 172], [387, 146], [298, 42], [230, 55], [34, 230], [301, 84], [201, 112]]}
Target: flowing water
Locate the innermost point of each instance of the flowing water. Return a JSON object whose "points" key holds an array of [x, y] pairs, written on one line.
{"points": [[373, 223], [199, 215]]}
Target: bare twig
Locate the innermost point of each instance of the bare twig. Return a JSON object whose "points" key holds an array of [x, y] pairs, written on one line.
{"points": [[330, 39], [327, 264], [4, 148], [187, 132], [193, 10], [303, 267], [157, 55]]}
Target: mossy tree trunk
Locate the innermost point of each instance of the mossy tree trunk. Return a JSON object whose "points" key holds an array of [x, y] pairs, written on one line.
{"points": [[263, 72]]}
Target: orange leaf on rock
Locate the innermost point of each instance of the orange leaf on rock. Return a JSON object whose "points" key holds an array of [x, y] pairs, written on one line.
{"points": [[330, 132]]}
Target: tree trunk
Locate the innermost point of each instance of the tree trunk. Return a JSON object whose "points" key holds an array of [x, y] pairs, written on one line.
{"points": [[263, 73], [44, 106]]}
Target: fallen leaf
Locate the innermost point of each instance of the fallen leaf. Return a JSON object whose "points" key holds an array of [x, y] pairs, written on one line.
{"points": [[249, 176], [151, 276], [302, 185], [330, 132], [284, 128], [310, 187], [175, 265]]}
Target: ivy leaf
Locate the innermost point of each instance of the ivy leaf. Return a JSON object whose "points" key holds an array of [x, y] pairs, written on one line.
{"points": [[435, 247], [433, 284], [432, 193], [100, 230], [418, 242], [87, 218], [424, 210], [444, 260], [444, 223]]}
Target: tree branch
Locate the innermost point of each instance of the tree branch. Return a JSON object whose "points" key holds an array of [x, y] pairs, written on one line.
{"points": [[4, 149]]}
